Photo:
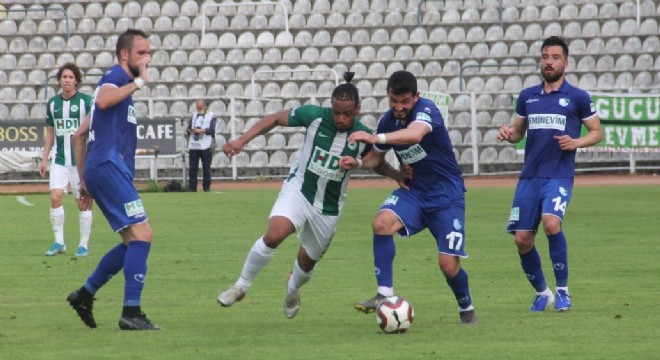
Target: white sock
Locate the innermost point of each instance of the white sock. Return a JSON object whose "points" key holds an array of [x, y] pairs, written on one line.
{"points": [[57, 221], [256, 260], [298, 278], [85, 218], [545, 292], [386, 291], [565, 288]]}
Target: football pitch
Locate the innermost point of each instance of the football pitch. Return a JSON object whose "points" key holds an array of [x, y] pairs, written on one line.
{"points": [[201, 240]]}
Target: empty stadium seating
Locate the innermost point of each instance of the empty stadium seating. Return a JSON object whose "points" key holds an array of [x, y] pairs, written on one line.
{"points": [[610, 51]]}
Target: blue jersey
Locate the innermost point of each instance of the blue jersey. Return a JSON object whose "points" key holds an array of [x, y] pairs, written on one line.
{"points": [[560, 112], [112, 135], [436, 173]]}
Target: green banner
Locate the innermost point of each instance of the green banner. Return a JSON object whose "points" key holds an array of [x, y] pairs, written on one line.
{"points": [[441, 100], [630, 122]]}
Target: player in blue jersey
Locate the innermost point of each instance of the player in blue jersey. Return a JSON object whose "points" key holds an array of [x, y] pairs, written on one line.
{"points": [[107, 167], [415, 130], [552, 113]]}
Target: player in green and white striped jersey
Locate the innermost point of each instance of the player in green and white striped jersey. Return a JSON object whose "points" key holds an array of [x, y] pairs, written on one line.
{"points": [[312, 197], [65, 112]]}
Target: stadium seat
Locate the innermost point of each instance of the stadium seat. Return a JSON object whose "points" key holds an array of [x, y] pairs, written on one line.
{"points": [[648, 26], [456, 35], [373, 19], [342, 37], [253, 56], [514, 32], [104, 59], [9, 94], [588, 10], [552, 29], [596, 46], [508, 154], [322, 38], [334, 20], [376, 70], [179, 90], [385, 53], [380, 36], [633, 44], [329, 54], [19, 111], [644, 62], [511, 15], [610, 28], [577, 47], [494, 33], [303, 38], [499, 49], [624, 80], [295, 140], [588, 81], [38, 111], [614, 45], [643, 79], [399, 36], [405, 52], [502, 117]]}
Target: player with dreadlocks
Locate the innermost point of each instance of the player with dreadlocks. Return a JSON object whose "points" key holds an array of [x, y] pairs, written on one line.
{"points": [[311, 199]]}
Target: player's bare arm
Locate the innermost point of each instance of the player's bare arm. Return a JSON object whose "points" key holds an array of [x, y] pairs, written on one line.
{"points": [[513, 133], [85, 200], [110, 96], [263, 126], [413, 134], [593, 136], [48, 144]]}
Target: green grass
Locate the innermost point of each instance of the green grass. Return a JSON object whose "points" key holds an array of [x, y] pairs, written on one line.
{"points": [[202, 239]]}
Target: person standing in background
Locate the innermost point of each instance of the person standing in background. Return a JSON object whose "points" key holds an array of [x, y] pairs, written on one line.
{"points": [[64, 114], [201, 143]]}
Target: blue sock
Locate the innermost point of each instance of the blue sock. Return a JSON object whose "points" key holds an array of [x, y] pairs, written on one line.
{"points": [[531, 264], [109, 266], [559, 257], [384, 251], [135, 271], [459, 285]]}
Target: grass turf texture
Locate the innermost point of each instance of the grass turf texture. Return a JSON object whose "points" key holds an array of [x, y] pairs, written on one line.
{"points": [[202, 239]]}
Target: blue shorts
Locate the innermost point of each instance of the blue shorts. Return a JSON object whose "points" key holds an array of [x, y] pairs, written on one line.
{"points": [[537, 197], [445, 219], [112, 188]]}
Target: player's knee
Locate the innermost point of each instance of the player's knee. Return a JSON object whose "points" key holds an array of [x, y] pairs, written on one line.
{"points": [[383, 225], [551, 225], [449, 265], [524, 243]]}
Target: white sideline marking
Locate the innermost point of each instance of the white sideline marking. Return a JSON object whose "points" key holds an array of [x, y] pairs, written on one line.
{"points": [[23, 200]]}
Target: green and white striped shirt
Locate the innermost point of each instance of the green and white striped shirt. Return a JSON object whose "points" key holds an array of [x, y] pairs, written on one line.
{"points": [[317, 173], [65, 117]]}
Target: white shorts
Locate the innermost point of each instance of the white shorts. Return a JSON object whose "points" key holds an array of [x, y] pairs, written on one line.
{"points": [[61, 176], [314, 229]]}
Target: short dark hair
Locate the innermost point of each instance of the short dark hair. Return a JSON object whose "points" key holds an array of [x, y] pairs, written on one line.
{"points": [[347, 91], [125, 40], [556, 41], [402, 82], [74, 69]]}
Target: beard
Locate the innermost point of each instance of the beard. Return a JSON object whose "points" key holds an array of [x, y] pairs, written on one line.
{"points": [[551, 77], [134, 70]]}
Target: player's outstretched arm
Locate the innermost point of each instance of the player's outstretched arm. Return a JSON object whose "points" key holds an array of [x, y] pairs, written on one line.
{"points": [[263, 126]]}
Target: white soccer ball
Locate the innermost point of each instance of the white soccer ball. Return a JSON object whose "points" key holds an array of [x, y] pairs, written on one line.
{"points": [[394, 315]]}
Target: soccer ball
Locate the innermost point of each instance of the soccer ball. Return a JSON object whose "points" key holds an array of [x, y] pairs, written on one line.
{"points": [[394, 315]]}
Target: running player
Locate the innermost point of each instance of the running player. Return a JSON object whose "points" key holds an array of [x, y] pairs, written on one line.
{"points": [[107, 174], [64, 113], [312, 197], [552, 113], [415, 130]]}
